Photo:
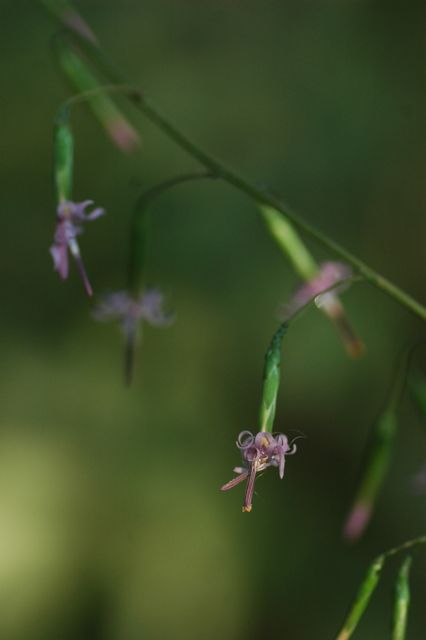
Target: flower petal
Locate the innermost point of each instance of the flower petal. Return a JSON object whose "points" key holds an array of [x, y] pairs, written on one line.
{"points": [[245, 439], [59, 253]]}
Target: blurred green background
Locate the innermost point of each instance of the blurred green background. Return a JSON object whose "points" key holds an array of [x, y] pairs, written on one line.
{"points": [[112, 525]]}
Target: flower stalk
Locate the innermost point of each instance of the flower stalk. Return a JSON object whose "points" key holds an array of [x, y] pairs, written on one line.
{"points": [[63, 153], [139, 225], [271, 380]]}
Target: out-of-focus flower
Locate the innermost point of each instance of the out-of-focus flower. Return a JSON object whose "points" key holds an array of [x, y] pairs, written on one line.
{"points": [[70, 218], [259, 452], [330, 273], [129, 311]]}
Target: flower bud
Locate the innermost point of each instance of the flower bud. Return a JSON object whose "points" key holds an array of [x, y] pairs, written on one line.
{"points": [[80, 76]]}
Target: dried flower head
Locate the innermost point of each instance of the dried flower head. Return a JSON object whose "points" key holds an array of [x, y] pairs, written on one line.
{"points": [[259, 452], [70, 218]]}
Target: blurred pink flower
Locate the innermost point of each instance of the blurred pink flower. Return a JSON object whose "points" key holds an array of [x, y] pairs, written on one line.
{"points": [[129, 311], [70, 217], [330, 273]]}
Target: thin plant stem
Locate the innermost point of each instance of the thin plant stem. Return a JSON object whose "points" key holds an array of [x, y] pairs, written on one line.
{"points": [[405, 546], [139, 225]]}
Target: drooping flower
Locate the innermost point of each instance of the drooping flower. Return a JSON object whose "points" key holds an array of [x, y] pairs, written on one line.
{"points": [[70, 218], [130, 312], [259, 452], [68, 17], [330, 273]]}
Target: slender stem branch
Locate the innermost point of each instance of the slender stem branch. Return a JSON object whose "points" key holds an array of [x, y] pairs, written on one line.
{"points": [[409, 544], [252, 190], [139, 225], [84, 96], [158, 189]]}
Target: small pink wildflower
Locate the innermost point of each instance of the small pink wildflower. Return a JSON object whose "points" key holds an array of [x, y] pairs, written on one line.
{"points": [[330, 273], [259, 452], [70, 217]]}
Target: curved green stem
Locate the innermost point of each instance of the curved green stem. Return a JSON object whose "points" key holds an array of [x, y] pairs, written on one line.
{"points": [[138, 225], [85, 96], [271, 380], [405, 546]]}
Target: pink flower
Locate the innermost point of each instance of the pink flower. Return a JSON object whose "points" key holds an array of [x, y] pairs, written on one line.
{"points": [[330, 273], [70, 217], [129, 311], [259, 452]]}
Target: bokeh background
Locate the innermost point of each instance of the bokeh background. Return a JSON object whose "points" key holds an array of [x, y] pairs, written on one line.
{"points": [[112, 526]]}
